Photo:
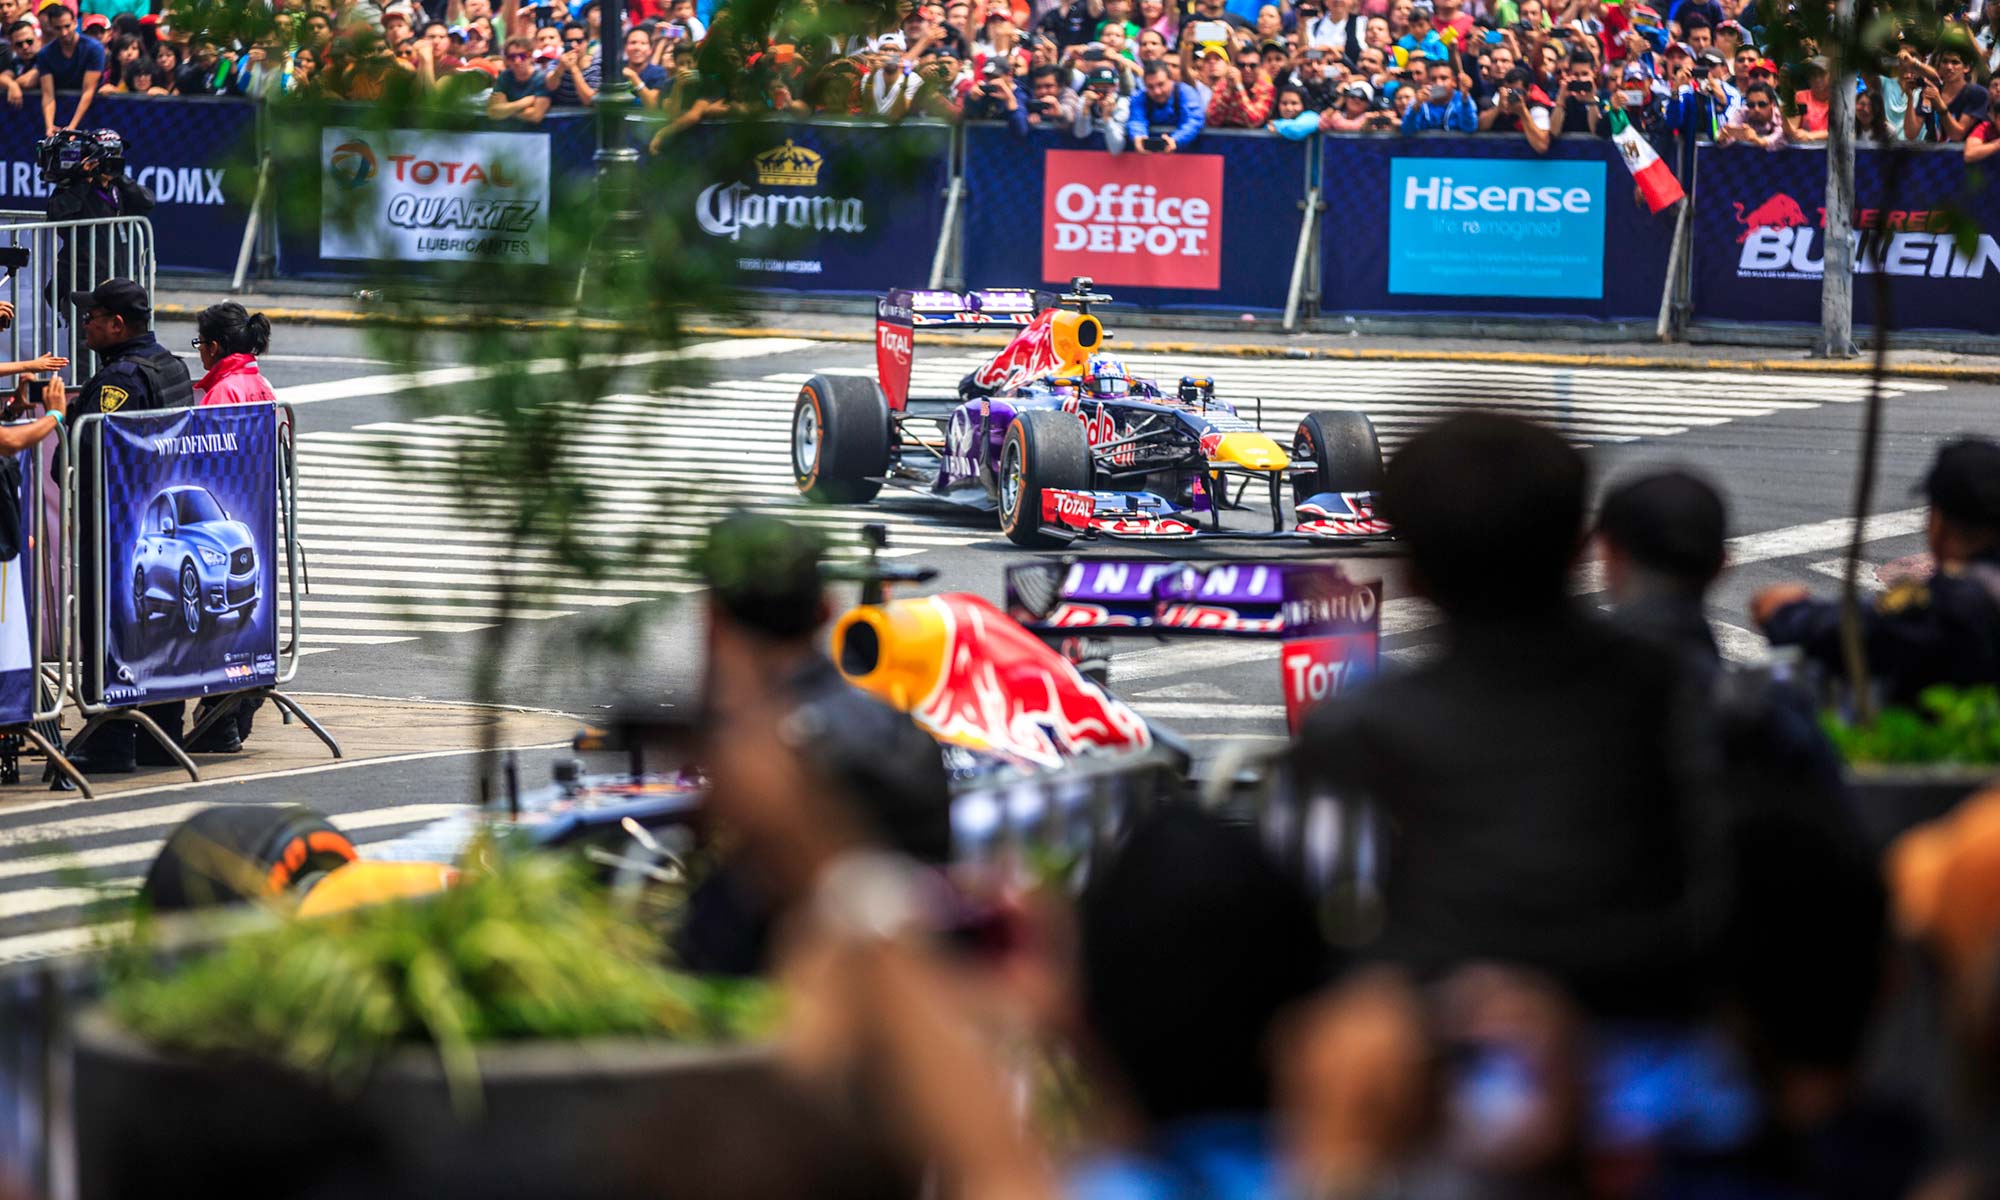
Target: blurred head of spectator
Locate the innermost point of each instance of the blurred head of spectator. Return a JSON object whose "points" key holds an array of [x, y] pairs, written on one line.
{"points": [[574, 35], [170, 58], [1270, 22], [1760, 108], [836, 88], [1043, 52], [1157, 16], [1491, 510], [1277, 60], [94, 25], [1744, 61], [1661, 537], [1401, 100], [1152, 46], [1113, 38], [548, 43], [999, 36], [1372, 65], [1870, 120], [1291, 102], [1378, 35], [1049, 101], [24, 39]]}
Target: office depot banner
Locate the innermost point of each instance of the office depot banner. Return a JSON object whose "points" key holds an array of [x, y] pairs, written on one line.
{"points": [[1213, 227], [419, 196], [1144, 220]]}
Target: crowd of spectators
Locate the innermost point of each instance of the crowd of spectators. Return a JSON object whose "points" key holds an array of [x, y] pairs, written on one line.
{"points": [[1144, 75], [1614, 924]]}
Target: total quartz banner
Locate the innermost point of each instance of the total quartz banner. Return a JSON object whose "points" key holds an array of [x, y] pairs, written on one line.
{"points": [[426, 196]]}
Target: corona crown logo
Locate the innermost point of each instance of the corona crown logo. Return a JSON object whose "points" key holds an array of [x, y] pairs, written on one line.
{"points": [[789, 165], [352, 164]]}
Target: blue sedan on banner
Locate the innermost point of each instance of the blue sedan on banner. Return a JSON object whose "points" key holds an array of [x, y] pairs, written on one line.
{"points": [[192, 561]]}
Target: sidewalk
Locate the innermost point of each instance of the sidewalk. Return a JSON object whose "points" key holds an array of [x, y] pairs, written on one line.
{"points": [[1554, 344], [369, 729]]}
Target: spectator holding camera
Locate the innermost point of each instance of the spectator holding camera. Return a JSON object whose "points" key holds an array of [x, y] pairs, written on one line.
{"points": [[1320, 90], [1357, 112], [1581, 110], [1243, 98], [1761, 125], [1442, 106], [995, 98], [1167, 115], [1101, 110], [1051, 103], [1520, 107]]}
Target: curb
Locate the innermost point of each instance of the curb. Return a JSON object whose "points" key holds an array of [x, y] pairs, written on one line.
{"points": [[1947, 372]]}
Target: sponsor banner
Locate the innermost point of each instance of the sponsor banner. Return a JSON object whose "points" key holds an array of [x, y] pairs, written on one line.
{"points": [[417, 196], [190, 553], [183, 148], [1760, 238], [818, 208], [1213, 227], [1139, 219], [1484, 225], [17, 598]]}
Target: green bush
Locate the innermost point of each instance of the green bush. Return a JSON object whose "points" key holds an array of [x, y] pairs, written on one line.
{"points": [[525, 946], [1950, 725]]}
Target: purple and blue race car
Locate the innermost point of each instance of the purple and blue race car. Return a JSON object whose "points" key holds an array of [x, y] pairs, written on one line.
{"points": [[1056, 438]]}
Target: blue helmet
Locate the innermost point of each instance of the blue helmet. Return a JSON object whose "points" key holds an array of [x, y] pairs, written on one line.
{"points": [[1107, 377]]}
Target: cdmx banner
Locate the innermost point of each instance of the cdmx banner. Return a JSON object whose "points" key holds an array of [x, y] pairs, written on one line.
{"points": [[181, 148], [190, 550], [1760, 237], [406, 195], [17, 595], [820, 208]]}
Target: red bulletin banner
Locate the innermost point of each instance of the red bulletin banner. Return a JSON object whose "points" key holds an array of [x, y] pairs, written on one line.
{"points": [[1141, 220], [1316, 669]]}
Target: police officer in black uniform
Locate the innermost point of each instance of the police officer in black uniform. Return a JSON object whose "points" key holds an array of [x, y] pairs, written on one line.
{"points": [[136, 374], [1941, 630]]}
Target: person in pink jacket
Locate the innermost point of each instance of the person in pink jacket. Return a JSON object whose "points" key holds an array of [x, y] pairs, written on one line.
{"points": [[229, 340]]}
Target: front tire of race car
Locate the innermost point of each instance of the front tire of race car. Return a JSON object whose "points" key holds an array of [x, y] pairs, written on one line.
{"points": [[234, 853], [1343, 443], [840, 439], [1044, 448]]}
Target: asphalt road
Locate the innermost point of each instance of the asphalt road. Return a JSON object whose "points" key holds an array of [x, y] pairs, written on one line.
{"points": [[402, 581]]}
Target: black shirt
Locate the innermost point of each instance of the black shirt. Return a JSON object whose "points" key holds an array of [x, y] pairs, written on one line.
{"points": [[122, 385]]}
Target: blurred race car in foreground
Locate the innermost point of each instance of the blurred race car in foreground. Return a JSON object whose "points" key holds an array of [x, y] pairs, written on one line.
{"points": [[1036, 745], [1056, 438]]}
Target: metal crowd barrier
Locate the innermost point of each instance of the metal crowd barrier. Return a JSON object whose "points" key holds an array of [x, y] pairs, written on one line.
{"points": [[66, 257]]}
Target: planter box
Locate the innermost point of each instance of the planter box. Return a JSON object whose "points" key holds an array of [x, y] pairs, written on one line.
{"points": [[595, 1119], [1890, 799]]}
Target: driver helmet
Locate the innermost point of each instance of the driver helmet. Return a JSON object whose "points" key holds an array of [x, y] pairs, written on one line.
{"points": [[1108, 380]]}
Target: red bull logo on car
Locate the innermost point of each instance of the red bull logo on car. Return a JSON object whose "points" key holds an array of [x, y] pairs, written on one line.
{"points": [[1000, 689]]}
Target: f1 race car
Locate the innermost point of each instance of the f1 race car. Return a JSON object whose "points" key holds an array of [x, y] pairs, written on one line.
{"points": [[1056, 437]]}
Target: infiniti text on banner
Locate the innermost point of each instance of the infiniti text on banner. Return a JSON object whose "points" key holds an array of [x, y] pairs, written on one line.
{"points": [[181, 148], [417, 196], [190, 553], [1760, 237], [817, 207]]}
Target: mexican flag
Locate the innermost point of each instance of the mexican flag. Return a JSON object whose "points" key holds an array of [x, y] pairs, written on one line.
{"points": [[1656, 183]]}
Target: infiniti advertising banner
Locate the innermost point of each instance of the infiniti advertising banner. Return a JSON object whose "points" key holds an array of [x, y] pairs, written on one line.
{"points": [[190, 553], [1494, 227], [408, 195]]}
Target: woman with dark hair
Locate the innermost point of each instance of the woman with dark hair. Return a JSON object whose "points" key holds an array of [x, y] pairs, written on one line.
{"points": [[125, 49], [229, 341], [169, 57], [1871, 123]]}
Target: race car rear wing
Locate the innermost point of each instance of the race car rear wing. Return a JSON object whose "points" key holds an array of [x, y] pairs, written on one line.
{"points": [[903, 311], [1329, 625]]}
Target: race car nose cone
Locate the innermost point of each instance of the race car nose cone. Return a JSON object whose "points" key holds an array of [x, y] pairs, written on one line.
{"points": [[1251, 450]]}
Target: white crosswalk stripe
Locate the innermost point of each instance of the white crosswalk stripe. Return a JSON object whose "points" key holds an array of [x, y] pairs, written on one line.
{"points": [[60, 894], [395, 554]]}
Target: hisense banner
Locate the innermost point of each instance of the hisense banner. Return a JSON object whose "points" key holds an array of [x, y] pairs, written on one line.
{"points": [[415, 196]]}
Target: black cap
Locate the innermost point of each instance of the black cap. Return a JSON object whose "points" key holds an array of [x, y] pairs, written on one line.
{"points": [[119, 296], [1964, 482], [1101, 76], [763, 573], [1670, 522]]}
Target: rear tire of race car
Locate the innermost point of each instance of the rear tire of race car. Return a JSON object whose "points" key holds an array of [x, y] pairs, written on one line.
{"points": [[234, 853], [1045, 448], [1343, 443], [840, 439]]}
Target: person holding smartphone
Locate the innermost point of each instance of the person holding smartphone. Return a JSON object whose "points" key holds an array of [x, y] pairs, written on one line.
{"points": [[1167, 115], [1581, 110]]}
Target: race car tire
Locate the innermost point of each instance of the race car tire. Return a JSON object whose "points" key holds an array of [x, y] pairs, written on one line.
{"points": [[1343, 443], [1044, 448], [840, 439], [235, 853]]}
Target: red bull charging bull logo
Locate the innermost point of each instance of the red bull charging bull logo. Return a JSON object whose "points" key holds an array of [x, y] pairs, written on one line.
{"points": [[1002, 690], [1030, 355]]}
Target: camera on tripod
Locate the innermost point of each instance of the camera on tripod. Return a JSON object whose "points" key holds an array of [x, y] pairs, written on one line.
{"points": [[63, 154]]}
